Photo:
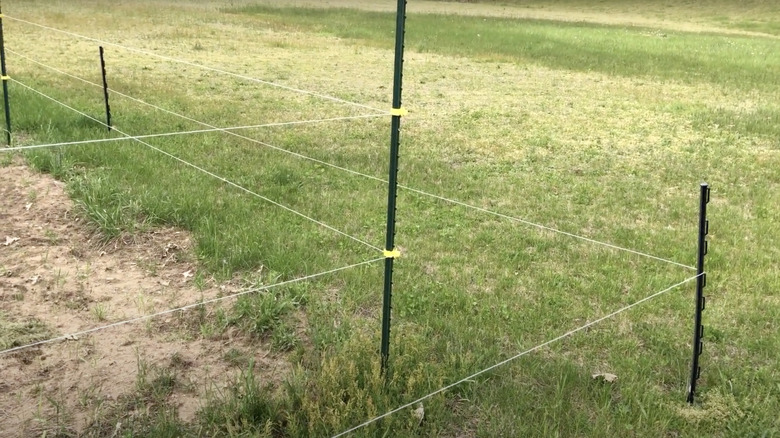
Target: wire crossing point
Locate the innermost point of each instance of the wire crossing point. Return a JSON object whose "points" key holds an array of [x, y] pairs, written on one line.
{"points": [[701, 282]]}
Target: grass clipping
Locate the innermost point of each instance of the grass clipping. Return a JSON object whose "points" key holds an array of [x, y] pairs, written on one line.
{"points": [[15, 334]]}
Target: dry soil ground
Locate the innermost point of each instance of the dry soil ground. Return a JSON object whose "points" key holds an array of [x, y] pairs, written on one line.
{"points": [[54, 271]]}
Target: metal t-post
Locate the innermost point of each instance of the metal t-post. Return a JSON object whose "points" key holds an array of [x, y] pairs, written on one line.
{"points": [[701, 282], [5, 79], [395, 135], [105, 88]]}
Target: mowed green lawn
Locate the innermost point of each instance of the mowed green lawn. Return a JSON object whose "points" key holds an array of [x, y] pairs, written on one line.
{"points": [[600, 130]]}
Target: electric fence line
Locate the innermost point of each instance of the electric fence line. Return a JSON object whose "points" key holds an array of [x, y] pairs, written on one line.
{"points": [[384, 181], [187, 307], [201, 66], [178, 133], [212, 174], [210, 126], [517, 356]]}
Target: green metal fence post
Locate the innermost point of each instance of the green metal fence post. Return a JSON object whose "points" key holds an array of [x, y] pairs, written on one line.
{"points": [[5, 79], [105, 88], [395, 136], [701, 282]]}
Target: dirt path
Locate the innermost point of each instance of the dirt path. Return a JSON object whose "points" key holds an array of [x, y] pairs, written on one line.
{"points": [[56, 279]]}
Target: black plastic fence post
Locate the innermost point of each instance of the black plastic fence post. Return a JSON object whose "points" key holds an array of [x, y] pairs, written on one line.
{"points": [[5, 80], [701, 282], [395, 135], [105, 89]]}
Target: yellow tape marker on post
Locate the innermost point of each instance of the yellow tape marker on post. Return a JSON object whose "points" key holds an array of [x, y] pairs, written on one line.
{"points": [[399, 112], [394, 254], [5, 78]]}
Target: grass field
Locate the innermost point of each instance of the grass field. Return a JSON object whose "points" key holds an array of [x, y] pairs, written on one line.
{"points": [[554, 112]]}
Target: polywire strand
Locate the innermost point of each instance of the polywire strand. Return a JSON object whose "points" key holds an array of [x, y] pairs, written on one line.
{"points": [[505, 361], [546, 228], [114, 91], [159, 108], [177, 133], [57, 101], [204, 67], [226, 181], [213, 175], [419, 192], [187, 307], [253, 140]]}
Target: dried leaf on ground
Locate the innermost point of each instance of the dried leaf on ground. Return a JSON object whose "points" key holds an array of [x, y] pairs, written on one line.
{"points": [[607, 377]]}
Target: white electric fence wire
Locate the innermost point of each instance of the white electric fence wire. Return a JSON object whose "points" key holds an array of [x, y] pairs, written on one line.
{"points": [[177, 133], [225, 130], [503, 362], [546, 228], [204, 67], [187, 307], [119, 93], [374, 178], [212, 174], [57, 101]]}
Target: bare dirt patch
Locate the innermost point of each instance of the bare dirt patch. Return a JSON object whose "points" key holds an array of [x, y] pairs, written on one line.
{"points": [[56, 278]]}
